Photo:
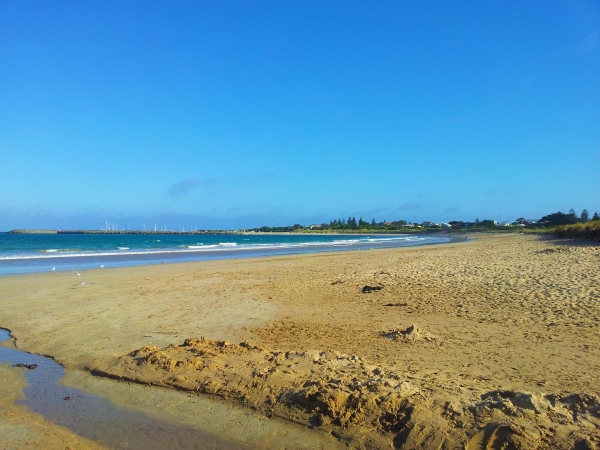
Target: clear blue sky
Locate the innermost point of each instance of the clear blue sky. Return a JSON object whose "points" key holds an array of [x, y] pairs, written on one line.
{"points": [[235, 114]]}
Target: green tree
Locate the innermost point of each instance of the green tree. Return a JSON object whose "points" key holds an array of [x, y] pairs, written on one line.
{"points": [[596, 216], [373, 223], [558, 218], [585, 216], [398, 224], [573, 213]]}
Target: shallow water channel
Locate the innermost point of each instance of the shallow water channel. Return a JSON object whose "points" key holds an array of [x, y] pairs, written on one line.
{"points": [[96, 418]]}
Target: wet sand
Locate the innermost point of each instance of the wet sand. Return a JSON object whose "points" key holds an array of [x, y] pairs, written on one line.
{"points": [[21, 428], [505, 347]]}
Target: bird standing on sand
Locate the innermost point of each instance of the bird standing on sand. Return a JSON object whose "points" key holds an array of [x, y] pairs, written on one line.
{"points": [[54, 268], [77, 273]]}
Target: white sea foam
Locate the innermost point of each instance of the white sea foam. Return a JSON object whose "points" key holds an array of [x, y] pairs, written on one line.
{"points": [[402, 238], [221, 247]]}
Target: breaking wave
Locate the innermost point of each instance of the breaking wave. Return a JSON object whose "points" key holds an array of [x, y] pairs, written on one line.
{"points": [[227, 247]]}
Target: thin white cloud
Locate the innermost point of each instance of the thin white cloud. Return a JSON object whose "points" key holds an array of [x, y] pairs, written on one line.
{"points": [[186, 186]]}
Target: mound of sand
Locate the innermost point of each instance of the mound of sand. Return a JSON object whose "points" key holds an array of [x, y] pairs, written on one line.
{"points": [[364, 404], [410, 335]]}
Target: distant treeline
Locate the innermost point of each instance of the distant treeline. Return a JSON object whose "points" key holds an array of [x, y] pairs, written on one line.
{"points": [[360, 225], [345, 225], [559, 218], [351, 225]]}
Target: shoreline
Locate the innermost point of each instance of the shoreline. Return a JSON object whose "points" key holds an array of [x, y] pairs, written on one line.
{"points": [[250, 259], [475, 306], [69, 261]]}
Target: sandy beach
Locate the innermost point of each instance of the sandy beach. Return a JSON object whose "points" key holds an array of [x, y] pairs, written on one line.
{"points": [[493, 343]]}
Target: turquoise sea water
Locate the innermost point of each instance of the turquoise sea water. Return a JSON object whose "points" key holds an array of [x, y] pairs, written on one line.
{"points": [[21, 253]]}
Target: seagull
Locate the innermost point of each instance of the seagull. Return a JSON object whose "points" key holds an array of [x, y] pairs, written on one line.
{"points": [[54, 268], [77, 272], [102, 266]]}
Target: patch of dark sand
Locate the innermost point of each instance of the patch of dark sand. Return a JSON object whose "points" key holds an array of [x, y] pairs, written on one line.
{"points": [[368, 289]]}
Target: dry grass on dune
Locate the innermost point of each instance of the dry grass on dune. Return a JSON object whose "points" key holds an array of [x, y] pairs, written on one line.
{"points": [[589, 230]]}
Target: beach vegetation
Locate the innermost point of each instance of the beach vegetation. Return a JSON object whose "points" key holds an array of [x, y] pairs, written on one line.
{"points": [[488, 223], [587, 230]]}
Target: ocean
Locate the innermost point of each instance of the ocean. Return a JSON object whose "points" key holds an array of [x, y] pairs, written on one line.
{"points": [[25, 253]]}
